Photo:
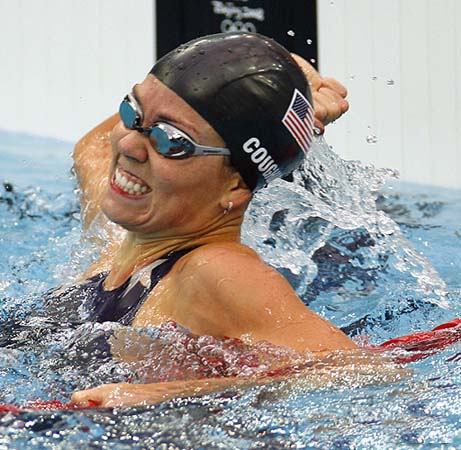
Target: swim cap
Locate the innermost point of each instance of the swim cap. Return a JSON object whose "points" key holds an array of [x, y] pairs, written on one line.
{"points": [[251, 91]]}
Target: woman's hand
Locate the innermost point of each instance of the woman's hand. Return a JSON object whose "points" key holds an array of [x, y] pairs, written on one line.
{"points": [[328, 94], [125, 394]]}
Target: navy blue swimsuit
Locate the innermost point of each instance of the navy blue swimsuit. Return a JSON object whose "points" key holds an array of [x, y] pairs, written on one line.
{"points": [[87, 302], [92, 303]]}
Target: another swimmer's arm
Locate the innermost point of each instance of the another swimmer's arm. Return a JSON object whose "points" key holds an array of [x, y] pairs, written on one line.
{"points": [[92, 157], [328, 94]]}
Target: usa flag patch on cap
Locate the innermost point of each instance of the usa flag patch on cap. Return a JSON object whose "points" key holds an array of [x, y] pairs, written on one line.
{"points": [[299, 120]]}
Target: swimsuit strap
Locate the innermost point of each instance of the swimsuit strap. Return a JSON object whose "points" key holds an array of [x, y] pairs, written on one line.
{"points": [[122, 304]]}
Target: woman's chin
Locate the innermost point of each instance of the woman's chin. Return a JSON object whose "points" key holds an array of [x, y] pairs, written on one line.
{"points": [[130, 220]]}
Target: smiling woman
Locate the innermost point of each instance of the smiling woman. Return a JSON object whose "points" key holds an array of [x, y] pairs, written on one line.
{"points": [[212, 123]]}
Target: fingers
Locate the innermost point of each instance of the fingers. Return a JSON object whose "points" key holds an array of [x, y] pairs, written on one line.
{"points": [[328, 94], [126, 394], [329, 105], [79, 397], [319, 127], [314, 78], [105, 395], [335, 86], [82, 397]]}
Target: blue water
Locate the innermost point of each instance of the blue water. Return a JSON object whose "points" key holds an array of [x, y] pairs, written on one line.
{"points": [[375, 277]]}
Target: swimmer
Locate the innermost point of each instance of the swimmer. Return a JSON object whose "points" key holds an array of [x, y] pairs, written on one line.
{"points": [[212, 123]]}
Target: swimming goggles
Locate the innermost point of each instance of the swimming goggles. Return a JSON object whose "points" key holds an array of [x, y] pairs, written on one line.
{"points": [[169, 141]]}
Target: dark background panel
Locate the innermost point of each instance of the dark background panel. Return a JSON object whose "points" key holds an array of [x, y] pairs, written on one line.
{"points": [[293, 23]]}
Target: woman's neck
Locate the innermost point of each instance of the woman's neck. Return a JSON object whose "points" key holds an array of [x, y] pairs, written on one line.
{"points": [[140, 249]]}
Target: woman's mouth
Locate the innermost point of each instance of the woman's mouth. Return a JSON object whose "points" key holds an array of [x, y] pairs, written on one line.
{"points": [[128, 183]]}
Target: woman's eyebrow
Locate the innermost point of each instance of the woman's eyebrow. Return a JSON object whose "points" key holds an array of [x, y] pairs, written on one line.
{"points": [[185, 126]]}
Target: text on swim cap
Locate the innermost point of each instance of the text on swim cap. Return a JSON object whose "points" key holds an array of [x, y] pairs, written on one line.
{"points": [[260, 156]]}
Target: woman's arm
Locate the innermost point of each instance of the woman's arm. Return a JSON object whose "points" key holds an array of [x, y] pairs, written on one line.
{"points": [[349, 369], [92, 158], [125, 394], [328, 94], [223, 291]]}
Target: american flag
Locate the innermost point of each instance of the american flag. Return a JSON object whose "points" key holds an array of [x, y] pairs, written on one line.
{"points": [[299, 119]]}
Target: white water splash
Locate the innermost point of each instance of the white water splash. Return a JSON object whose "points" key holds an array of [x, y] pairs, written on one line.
{"points": [[288, 222]]}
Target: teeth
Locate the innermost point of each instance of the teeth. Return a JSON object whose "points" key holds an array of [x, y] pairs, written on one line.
{"points": [[128, 186]]}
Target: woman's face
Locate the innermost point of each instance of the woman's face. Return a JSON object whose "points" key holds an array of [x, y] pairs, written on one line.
{"points": [[174, 196]]}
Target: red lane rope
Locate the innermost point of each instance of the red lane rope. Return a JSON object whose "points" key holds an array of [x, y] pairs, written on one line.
{"points": [[423, 344], [45, 405]]}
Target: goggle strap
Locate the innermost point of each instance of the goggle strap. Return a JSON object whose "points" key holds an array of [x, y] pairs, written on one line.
{"points": [[212, 151]]}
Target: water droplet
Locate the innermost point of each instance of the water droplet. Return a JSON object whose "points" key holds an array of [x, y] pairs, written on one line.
{"points": [[181, 66], [309, 42], [313, 60], [390, 82], [202, 52], [372, 139], [374, 78], [230, 50], [290, 33], [352, 77]]}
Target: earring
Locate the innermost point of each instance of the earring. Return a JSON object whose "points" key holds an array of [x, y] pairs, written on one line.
{"points": [[229, 208]]}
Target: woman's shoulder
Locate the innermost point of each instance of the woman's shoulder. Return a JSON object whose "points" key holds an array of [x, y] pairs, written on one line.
{"points": [[224, 270], [217, 257], [228, 248]]}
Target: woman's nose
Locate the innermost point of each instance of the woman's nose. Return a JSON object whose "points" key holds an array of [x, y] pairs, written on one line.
{"points": [[133, 145]]}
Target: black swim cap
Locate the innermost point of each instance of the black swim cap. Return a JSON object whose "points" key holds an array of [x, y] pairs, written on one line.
{"points": [[252, 92]]}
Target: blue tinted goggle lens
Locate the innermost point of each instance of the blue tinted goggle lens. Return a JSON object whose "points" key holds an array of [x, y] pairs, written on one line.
{"points": [[170, 145], [167, 142], [130, 117]]}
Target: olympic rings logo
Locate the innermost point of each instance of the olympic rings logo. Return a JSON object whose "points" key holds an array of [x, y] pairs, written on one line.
{"points": [[229, 25]]}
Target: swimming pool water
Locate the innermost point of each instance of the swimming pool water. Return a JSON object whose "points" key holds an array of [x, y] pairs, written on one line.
{"points": [[375, 277]]}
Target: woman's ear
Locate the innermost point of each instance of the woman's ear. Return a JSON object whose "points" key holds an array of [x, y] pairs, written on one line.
{"points": [[237, 193]]}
